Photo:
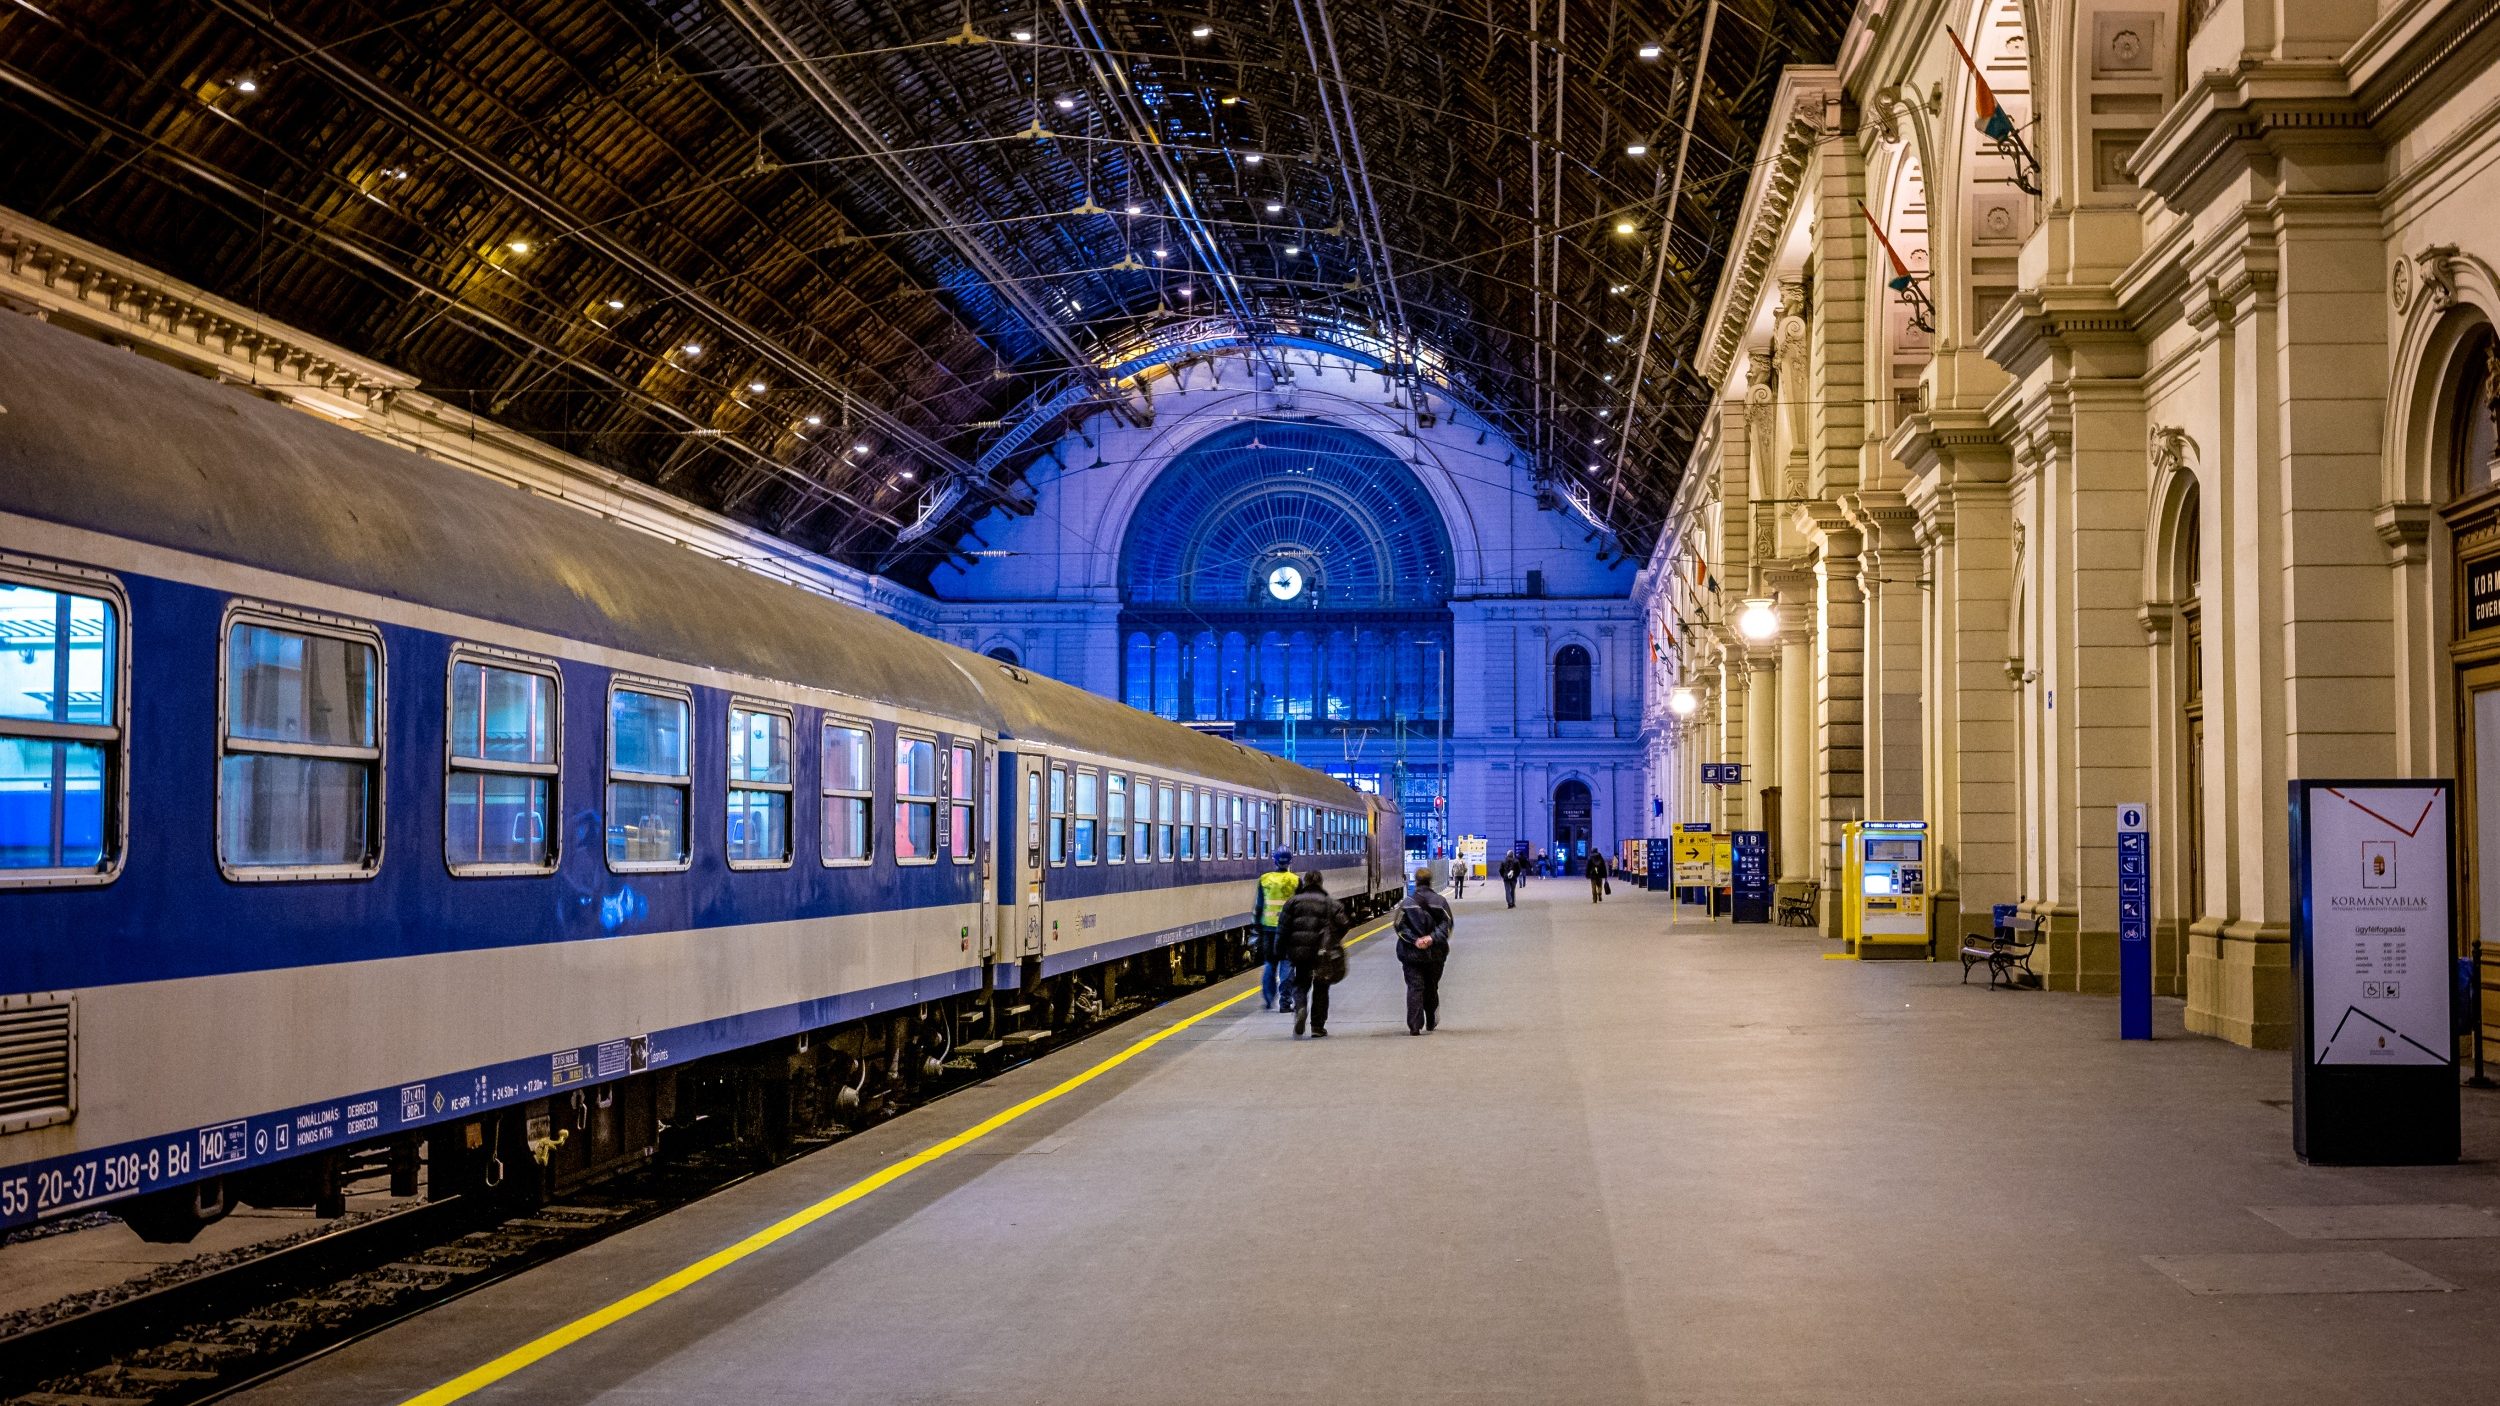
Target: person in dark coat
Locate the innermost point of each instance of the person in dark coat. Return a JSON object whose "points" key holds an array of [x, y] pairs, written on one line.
{"points": [[1310, 934], [1423, 925], [1597, 876], [1514, 868]]}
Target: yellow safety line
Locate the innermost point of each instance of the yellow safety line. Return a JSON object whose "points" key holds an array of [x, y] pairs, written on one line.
{"points": [[551, 1343]]}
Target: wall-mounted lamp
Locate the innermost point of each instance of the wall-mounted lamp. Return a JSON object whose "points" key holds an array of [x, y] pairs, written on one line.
{"points": [[1759, 619], [1682, 702]]}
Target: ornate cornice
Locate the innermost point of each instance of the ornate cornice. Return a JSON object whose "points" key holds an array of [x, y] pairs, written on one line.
{"points": [[1782, 163]]}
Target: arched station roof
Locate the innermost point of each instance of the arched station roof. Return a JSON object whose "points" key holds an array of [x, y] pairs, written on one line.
{"points": [[842, 270]]}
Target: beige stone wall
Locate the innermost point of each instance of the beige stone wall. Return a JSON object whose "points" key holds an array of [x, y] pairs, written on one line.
{"points": [[2180, 434]]}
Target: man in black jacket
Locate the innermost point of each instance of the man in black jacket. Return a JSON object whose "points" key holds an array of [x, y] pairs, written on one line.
{"points": [[1514, 868], [1597, 876], [1311, 934], [1423, 949]]}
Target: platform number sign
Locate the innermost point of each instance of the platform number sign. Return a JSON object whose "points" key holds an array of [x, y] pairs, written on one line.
{"points": [[2135, 924]]}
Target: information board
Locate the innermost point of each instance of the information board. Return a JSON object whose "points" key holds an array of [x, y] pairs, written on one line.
{"points": [[2373, 938], [1749, 876], [1660, 871], [2135, 924], [1693, 849]]}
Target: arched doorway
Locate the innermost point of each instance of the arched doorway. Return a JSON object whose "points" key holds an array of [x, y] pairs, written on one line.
{"points": [[2468, 450], [1574, 823]]}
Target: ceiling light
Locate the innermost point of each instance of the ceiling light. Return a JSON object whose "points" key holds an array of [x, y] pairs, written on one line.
{"points": [[908, 475], [1189, 292], [1619, 288], [1022, 36], [1275, 207], [1636, 149], [1292, 249], [860, 448], [692, 349], [1649, 51], [1065, 104], [1597, 439], [1137, 209], [815, 419], [616, 305], [1201, 31], [1610, 376], [1075, 306], [247, 84], [519, 246], [1593, 468], [1613, 337], [1605, 414], [756, 387], [397, 173], [1252, 159], [1162, 253], [1229, 99], [1625, 227]]}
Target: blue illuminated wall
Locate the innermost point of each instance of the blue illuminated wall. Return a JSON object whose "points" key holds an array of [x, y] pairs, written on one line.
{"points": [[1437, 589]]}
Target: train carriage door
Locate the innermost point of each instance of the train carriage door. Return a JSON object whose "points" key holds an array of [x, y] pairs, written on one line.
{"points": [[1029, 856], [986, 865]]}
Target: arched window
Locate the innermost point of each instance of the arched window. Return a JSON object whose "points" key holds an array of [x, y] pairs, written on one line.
{"points": [[2478, 396], [1139, 670], [1270, 702], [1168, 674], [1203, 680], [1303, 662], [1571, 684], [1236, 677], [1004, 654], [1337, 677]]}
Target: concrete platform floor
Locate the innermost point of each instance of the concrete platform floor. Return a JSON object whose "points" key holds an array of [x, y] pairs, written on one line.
{"points": [[1641, 1162]]}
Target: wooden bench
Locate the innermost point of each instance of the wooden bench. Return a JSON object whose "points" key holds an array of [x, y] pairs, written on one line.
{"points": [[1796, 907], [2007, 951]]}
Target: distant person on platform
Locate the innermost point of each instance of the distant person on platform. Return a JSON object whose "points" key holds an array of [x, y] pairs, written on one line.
{"points": [[1423, 925], [1597, 876], [1276, 888], [1514, 868], [1311, 937], [1458, 877]]}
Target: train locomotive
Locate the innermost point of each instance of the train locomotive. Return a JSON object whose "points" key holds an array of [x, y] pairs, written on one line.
{"points": [[360, 813]]}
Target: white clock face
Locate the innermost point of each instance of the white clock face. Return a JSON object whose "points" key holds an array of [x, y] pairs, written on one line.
{"points": [[1284, 583]]}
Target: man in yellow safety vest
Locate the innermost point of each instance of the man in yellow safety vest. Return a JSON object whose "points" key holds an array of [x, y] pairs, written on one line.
{"points": [[1275, 973]]}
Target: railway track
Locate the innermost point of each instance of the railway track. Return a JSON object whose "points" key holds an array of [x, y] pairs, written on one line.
{"points": [[219, 1332]]}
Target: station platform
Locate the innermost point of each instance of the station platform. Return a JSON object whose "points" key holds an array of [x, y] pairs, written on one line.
{"points": [[1641, 1161]]}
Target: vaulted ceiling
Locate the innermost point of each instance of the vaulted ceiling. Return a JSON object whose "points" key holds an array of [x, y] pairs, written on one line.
{"points": [[843, 267]]}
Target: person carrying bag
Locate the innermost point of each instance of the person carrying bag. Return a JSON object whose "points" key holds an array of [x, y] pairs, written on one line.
{"points": [[1310, 934]]}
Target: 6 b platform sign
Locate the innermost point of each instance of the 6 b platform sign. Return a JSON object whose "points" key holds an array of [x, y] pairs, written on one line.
{"points": [[2373, 937]]}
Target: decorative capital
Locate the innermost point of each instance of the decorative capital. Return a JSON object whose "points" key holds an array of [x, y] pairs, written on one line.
{"points": [[2405, 528]]}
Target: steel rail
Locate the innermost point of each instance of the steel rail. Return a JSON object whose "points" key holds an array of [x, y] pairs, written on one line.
{"points": [[1658, 268], [505, 182]]}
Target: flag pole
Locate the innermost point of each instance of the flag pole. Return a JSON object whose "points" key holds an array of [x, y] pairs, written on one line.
{"points": [[1998, 124], [1903, 282]]}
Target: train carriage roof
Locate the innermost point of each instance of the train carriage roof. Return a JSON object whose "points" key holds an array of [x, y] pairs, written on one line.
{"points": [[95, 437]]}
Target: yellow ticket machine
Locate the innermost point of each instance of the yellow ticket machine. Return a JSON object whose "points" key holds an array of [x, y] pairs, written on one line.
{"points": [[1885, 888]]}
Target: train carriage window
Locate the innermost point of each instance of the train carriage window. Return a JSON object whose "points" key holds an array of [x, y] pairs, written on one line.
{"points": [[1163, 823], [1237, 850], [1088, 815], [1115, 818], [299, 784], [502, 762], [61, 721], [1143, 802], [847, 834], [1058, 816], [1206, 825], [961, 797], [650, 780], [1189, 824], [759, 786], [915, 800]]}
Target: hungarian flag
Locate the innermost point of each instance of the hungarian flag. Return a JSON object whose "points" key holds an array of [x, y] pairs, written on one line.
{"points": [[1901, 280], [1993, 119]]}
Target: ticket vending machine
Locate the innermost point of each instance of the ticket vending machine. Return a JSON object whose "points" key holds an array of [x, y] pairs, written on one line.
{"points": [[1886, 889]]}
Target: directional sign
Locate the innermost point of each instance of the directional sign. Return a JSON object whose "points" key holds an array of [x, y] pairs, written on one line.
{"points": [[2135, 924], [1722, 773]]}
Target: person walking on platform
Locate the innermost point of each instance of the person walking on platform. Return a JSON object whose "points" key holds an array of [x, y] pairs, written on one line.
{"points": [[1275, 887], [1311, 937], [1458, 878], [1514, 868], [1423, 950], [1597, 877]]}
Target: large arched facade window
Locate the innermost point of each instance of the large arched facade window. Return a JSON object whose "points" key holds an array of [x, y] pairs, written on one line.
{"points": [[1572, 671], [1292, 579]]}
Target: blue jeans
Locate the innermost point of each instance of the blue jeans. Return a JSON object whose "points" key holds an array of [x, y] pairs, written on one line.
{"points": [[1276, 979]]}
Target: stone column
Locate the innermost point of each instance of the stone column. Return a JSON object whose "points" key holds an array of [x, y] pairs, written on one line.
{"points": [[1891, 688]]}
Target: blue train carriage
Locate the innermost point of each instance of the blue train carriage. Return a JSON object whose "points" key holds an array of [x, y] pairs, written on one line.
{"points": [[360, 815]]}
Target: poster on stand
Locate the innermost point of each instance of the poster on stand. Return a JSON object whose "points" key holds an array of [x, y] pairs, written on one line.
{"points": [[2373, 942]]}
